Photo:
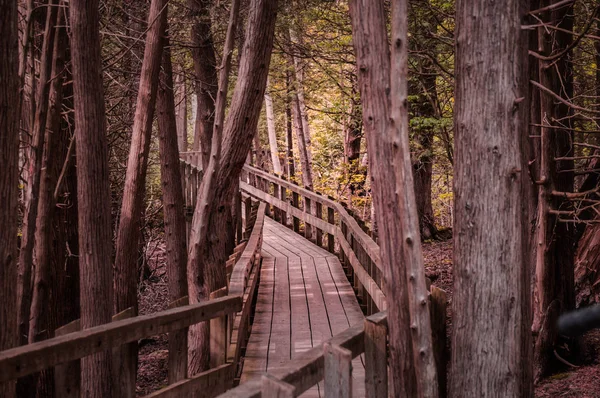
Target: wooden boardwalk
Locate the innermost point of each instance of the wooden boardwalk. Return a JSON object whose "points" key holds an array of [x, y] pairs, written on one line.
{"points": [[304, 298]]}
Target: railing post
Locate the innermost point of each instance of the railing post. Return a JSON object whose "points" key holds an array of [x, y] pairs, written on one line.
{"points": [[376, 372], [296, 204], [275, 388], [218, 334], [178, 348], [331, 237], [276, 210], [307, 227], [67, 376], [319, 214], [283, 196], [338, 371], [237, 203]]}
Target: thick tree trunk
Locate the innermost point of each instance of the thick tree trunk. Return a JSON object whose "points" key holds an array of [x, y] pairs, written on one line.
{"points": [[173, 204], [129, 230], [34, 176], [93, 190], [272, 134], [383, 90], [491, 342], [555, 252], [9, 179], [206, 257], [203, 54]]}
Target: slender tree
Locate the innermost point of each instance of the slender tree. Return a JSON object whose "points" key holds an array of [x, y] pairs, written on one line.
{"points": [[207, 255], [272, 133], [205, 69], [173, 204], [383, 87], [129, 230], [93, 190], [9, 179], [491, 341]]}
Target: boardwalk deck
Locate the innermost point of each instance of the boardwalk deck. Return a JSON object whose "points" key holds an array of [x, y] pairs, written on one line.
{"points": [[303, 299]]}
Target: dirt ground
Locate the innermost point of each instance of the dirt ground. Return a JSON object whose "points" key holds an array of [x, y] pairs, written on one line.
{"points": [[582, 381]]}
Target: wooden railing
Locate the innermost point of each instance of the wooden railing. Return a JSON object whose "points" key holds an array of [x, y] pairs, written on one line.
{"points": [[228, 311], [327, 224]]}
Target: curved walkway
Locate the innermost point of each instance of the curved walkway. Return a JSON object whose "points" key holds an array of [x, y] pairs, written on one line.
{"points": [[304, 298]]}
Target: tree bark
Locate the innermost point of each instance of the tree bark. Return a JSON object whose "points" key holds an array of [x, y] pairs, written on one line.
{"points": [[206, 256], [129, 230], [556, 246], [173, 205], [305, 162], [203, 54], [385, 119], [272, 134], [491, 342], [34, 176], [44, 305], [181, 111], [289, 131], [93, 190], [9, 179], [202, 279]]}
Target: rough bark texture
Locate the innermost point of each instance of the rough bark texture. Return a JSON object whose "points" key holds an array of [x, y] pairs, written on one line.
{"points": [[385, 118], [203, 54], [207, 256], [491, 342], [129, 230], [555, 251], [44, 306], [93, 190], [34, 167], [9, 179], [173, 204]]}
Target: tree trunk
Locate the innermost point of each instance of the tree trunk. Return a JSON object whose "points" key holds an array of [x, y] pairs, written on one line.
{"points": [[206, 257], [491, 343], [305, 162], [555, 252], [205, 277], [272, 134], [203, 54], [44, 305], [129, 230], [385, 117], [173, 204], [181, 111], [34, 176], [289, 141], [93, 190], [9, 180]]}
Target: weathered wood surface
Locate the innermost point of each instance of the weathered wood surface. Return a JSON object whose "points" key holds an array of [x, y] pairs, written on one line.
{"points": [[21, 361], [207, 384], [303, 300]]}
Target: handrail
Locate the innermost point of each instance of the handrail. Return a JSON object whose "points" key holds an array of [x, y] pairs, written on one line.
{"points": [[358, 251], [31, 358]]}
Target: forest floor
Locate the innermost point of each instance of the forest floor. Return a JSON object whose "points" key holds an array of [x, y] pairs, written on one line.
{"points": [[580, 382]]}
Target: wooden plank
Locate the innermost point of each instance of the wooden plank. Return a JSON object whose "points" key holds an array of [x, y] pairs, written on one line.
{"points": [[376, 377], [124, 358], [178, 347], [21, 361], [374, 291], [218, 333], [67, 376], [274, 388], [207, 384], [330, 236], [308, 231], [338, 371], [279, 342]]}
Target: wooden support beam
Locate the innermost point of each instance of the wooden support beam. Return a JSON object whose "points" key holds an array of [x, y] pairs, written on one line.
{"points": [[338, 371], [376, 371]]}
